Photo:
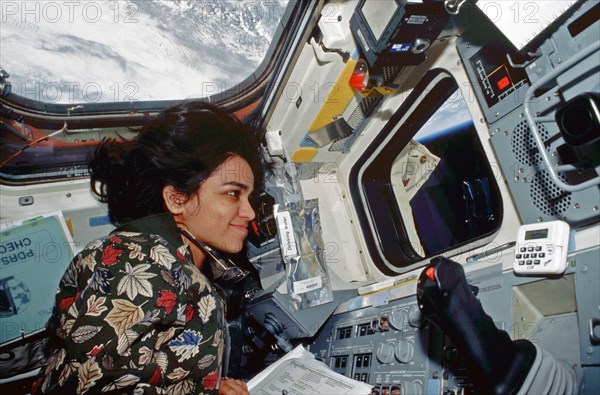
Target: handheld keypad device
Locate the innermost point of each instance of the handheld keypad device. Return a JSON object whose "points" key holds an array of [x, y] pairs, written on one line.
{"points": [[542, 248]]}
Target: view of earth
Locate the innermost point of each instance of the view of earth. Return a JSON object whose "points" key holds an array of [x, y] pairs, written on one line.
{"points": [[105, 51], [451, 114]]}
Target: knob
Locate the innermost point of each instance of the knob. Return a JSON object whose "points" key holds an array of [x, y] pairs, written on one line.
{"points": [[413, 387], [398, 319], [405, 351], [414, 317], [385, 353]]}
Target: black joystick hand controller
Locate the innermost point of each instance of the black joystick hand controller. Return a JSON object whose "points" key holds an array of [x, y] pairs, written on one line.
{"points": [[496, 364]]}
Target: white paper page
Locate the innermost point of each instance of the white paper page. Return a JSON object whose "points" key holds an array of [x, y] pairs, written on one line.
{"points": [[298, 373], [522, 20]]}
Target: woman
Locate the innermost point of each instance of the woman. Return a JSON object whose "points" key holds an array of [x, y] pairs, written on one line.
{"points": [[134, 313]]}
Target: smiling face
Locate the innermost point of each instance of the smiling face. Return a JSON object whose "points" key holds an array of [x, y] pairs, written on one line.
{"points": [[219, 212]]}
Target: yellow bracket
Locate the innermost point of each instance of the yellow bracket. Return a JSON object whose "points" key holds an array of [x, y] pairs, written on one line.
{"points": [[337, 100], [335, 104]]}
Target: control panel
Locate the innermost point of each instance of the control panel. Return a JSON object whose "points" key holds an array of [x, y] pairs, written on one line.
{"points": [[387, 347], [535, 104], [385, 341]]}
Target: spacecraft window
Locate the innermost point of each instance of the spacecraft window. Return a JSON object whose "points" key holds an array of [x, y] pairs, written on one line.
{"points": [[455, 198], [425, 185], [72, 73], [90, 52]]}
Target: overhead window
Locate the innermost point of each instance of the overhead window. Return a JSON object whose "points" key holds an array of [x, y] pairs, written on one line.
{"points": [[74, 72], [425, 185], [67, 52]]}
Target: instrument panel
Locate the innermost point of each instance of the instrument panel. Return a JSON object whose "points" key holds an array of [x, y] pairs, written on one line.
{"points": [[387, 343], [378, 345]]}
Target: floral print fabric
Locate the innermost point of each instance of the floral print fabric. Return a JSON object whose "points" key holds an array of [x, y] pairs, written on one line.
{"points": [[134, 315]]}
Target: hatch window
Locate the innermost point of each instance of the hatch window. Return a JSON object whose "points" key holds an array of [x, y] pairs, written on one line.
{"points": [[431, 189], [455, 198]]}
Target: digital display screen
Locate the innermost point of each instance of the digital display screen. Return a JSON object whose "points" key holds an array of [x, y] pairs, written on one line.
{"points": [[536, 234], [378, 14]]}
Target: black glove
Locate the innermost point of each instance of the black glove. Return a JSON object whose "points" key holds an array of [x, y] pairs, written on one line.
{"points": [[496, 364]]}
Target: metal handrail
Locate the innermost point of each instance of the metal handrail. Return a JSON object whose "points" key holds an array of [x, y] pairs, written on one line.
{"points": [[534, 130]]}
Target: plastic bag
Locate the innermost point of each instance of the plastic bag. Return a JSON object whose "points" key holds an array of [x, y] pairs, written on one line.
{"points": [[302, 250]]}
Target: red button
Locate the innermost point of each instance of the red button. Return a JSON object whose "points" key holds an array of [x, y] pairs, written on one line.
{"points": [[503, 83], [430, 272]]}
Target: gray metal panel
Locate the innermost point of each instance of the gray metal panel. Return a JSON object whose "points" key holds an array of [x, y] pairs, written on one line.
{"points": [[587, 282], [591, 83], [409, 360], [591, 380], [296, 324], [535, 193], [536, 196], [560, 47], [468, 49], [333, 131], [434, 365]]}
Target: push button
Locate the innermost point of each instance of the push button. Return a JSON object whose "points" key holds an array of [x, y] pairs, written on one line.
{"points": [[430, 273]]}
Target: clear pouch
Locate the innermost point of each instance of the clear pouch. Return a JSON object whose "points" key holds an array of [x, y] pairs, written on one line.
{"points": [[302, 250]]}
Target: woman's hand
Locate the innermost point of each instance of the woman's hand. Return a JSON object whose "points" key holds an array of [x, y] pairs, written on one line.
{"points": [[233, 387]]}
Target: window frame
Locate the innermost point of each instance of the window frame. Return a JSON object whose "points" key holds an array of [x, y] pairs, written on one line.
{"points": [[385, 235], [243, 99], [232, 98]]}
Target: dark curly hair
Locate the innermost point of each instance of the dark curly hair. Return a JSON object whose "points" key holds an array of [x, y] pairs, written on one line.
{"points": [[181, 146]]}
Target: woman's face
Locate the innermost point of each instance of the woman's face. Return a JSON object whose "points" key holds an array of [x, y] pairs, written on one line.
{"points": [[219, 212]]}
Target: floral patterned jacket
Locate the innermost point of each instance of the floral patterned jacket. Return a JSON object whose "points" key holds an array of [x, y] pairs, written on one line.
{"points": [[134, 315]]}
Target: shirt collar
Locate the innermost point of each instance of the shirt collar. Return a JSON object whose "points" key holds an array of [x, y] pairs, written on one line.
{"points": [[161, 224]]}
